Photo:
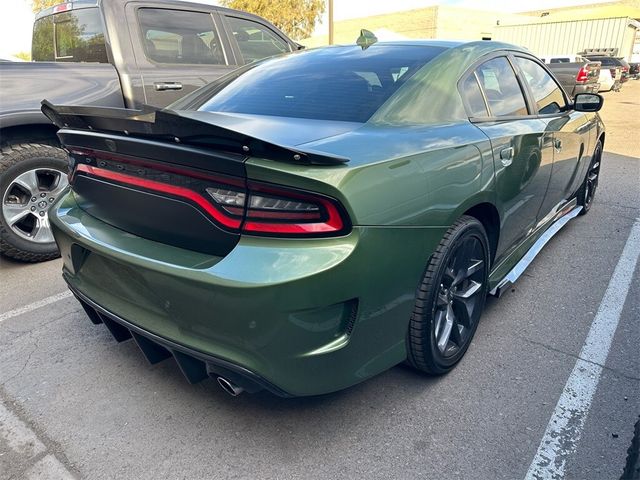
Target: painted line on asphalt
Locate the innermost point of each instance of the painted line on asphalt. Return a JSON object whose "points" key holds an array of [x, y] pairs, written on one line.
{"points": [[566, 423], [35, 305], [21, 442]]}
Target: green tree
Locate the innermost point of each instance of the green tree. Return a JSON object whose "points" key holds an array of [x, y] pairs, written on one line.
{"points": [[296, 18], [23, 56], [38, 5]]}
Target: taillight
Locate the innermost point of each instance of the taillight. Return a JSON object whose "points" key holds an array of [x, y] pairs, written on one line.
{"points": [[583, 75], [273, 210], [252, 207], [63, 7]]}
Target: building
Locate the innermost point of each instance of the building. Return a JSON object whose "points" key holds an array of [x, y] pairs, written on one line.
{"points": [[438, 21], [559, 31], [616, 36]]}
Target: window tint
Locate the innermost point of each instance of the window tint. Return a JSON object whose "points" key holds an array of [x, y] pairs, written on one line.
{"points": [[501, 88], [179, 37], [256, 41], [340, 83], [76, 36], [473, 97], [546, 92]]}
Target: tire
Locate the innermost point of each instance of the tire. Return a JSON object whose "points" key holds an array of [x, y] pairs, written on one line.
{"points": [[632, 466], [587, 191], [32, 176], [440, 299]]}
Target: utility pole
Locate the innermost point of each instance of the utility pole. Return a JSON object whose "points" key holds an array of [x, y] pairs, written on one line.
{"points": [[330, 22]]}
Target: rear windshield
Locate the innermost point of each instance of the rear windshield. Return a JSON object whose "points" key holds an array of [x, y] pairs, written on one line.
{"points": [[75, 36], [340, 83]]}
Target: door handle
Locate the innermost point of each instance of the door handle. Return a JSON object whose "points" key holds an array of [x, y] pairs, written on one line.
{"points": [[557, 144], [162, 86], [506, 156]]}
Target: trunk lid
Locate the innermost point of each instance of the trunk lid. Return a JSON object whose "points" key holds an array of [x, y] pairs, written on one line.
{"points": [[174, 178]]}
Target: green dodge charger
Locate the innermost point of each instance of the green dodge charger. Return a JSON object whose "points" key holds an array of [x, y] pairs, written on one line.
{"points": [[313, 219]]}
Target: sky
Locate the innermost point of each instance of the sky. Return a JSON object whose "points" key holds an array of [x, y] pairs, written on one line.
{"points": [[16, 19]]}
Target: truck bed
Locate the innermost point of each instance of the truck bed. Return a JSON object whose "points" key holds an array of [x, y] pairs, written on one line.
{"points": [[60, 83]]}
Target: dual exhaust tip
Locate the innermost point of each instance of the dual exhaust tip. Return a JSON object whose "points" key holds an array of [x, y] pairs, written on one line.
{"points": [[230, 387]]}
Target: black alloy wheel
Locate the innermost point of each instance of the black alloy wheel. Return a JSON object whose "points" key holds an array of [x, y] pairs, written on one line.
{"points": [[450, 299], [587, 191]]}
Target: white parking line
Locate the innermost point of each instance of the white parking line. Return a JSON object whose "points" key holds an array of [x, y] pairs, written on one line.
{"points": [[34, 305], [566, 423]]}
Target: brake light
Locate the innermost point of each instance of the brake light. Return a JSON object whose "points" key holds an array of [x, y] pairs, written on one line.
{"points": [[275, 211], [63, 7], [254, 208], [583, 75]]}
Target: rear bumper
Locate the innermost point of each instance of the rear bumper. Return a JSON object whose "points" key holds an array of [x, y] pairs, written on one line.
{"points": [[195, 366], [587, 88], [297, 317]]}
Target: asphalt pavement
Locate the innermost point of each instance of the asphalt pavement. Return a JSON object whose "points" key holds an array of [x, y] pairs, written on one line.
{"points": [[76, 404]]}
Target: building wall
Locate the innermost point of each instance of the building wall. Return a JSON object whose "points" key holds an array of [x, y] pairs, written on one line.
{"points": [[571, 37], [620, 8], [457, 23]]}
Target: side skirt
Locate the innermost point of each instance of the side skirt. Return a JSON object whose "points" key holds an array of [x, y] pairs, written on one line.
{"points": [[535, 249]]}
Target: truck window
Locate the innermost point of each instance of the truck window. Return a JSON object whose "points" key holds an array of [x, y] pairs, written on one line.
{"points": [[256, 41], [179, 37], [75, 36]]}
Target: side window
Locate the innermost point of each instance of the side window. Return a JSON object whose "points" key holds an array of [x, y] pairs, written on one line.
{"points": [[546, 91], [501, 88], [256, 41], [473, 96], [179, 37]]}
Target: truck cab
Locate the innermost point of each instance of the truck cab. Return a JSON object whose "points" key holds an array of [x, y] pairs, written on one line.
{"points": [[111, 53]]}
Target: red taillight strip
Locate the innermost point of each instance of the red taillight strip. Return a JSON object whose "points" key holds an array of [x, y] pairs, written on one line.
{"points": [[163, 188], [158, 166], [334, 224]]}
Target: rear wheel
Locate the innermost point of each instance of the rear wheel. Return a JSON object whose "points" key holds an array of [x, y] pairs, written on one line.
{"points": [[450, 298], [32, 177], [587, 190]]}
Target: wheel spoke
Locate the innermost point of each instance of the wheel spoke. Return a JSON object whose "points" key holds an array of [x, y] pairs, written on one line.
{"points": [[28, 181], [13, 213], [443, 339], [468, 292], [474, 267], [439, 319], [464, 310], [42, 231]]}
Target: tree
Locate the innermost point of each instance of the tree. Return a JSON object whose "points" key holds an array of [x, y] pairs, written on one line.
{"points": [[38, 5], [296, 18]]}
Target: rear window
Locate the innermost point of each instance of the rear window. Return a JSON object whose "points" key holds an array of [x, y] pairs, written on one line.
{"points": [[340, 83], [75, 36]]}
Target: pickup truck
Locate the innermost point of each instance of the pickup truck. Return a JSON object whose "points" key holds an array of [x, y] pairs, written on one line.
{"points": [[578, 76], [112, 53]]}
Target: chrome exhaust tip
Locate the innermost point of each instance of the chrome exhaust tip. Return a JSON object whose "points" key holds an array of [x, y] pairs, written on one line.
{"points": [[229, 387]]}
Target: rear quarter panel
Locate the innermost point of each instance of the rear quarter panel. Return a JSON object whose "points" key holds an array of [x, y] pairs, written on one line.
{"points": [[397, 176]]}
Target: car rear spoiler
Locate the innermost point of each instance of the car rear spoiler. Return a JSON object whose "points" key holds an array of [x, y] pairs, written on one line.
{"points": [[169, 126]]}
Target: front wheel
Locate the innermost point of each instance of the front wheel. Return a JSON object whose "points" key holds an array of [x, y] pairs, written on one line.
{"points": [[32, 177], [450, 298], [587, 191]]}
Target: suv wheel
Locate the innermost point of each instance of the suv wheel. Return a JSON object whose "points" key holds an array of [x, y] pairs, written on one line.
{"points": [[32, 177]]}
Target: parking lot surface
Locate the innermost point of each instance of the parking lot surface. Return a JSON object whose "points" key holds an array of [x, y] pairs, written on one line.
{"points": [[76, 404]]}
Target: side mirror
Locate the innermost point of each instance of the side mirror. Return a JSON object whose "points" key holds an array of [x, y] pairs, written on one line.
{"points": [[588, 102]]}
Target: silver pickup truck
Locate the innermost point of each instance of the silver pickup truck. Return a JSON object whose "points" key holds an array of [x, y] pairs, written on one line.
{"points": [[113, 53]]}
